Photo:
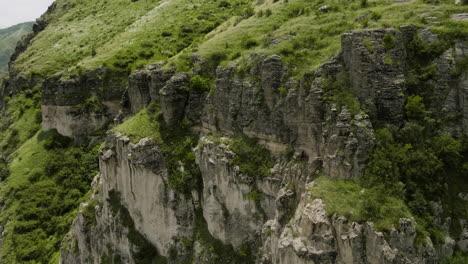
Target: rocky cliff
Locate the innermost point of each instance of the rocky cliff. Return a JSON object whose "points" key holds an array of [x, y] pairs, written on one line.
{"points": [[218, 146], [276, 217]]}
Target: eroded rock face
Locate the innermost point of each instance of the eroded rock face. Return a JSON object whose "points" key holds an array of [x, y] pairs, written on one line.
{"points": [[144, 86], [226, 208], [301, 121], [173, 98], [312, 236], [79, 106], [137, 172], [76, 123], [285, 224], [377, 71]]}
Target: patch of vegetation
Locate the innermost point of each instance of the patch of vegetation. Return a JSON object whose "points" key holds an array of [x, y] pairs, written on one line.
{"points": [[389, 41], [89, 213], [338, 90], [123, 35], [460, 66], [359, 204], [418, 162], [92, 104], [45, 186], [368, 44], [254, 196], [200, 84], [143, 124], [178, 145], [305, 38], [20, 120], [252, 158], [457, 258], [176, 142]]}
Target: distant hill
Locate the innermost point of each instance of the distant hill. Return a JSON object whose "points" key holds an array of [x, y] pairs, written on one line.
{"points": [[8, 39]]}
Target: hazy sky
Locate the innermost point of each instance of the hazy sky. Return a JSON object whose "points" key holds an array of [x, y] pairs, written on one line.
{"points": [[13, 12]]}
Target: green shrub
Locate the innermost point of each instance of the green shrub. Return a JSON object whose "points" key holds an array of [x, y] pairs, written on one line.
{"points": [[457, 258], [215, 58], [248, 12], [375, 15], [254, 196], [338, 90], [389, 41], [89, 213], [283, 91], [252, 159], [248, 43], [415, 108], [43, 205], [56, 141], [200, 84]]}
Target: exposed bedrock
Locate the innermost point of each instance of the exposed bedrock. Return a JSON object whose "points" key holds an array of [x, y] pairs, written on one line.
{"points": [[277, 215], [136, 173]]}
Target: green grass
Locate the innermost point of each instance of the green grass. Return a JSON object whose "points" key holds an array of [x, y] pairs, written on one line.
{"points": [[141, 125], [20, 121], [121, 34], [457, 258], [125, 36], [306, 38], [348, 198]]}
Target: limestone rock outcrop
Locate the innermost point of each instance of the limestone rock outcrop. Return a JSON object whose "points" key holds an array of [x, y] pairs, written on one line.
{"points": [[277, 216]]}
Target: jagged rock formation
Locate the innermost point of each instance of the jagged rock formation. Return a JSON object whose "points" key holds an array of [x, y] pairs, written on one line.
{"points": [[79, 106], [233, 146], [313, 237], [285, 225], [133, 176]]}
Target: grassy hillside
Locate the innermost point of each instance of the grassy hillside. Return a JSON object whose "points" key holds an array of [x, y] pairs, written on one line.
{"points": [[125, 35], [121, 34], [8, 39]]}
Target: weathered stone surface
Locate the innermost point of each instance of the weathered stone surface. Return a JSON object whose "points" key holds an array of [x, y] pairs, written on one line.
{"points": [[173, 98], [138, 90], [312, 236], [138, 173], [226, 208], [298, 121], [78, 106], [73, 122], [377, 75], [460, 16], [286, 225], [144, 86]]}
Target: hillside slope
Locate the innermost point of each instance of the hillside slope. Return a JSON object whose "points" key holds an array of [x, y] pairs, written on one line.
{"points": [[8, 39], [191, 131]]}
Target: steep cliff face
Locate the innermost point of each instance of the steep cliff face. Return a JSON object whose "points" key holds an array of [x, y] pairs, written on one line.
{"points": [[82, 105], [278, 217], [312, 236], [135, 216], [245, 142]]}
